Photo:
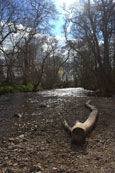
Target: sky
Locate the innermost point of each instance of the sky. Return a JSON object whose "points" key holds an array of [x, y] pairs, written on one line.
{"points": [[57, 31]]}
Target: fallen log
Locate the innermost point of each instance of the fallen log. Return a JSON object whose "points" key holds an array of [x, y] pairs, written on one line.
{"points": [[79, 130]]}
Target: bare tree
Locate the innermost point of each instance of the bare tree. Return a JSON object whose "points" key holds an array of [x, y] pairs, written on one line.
{"points": [[8, 19], [40, 13], [54, 63], [1, 71], [22, 23], [94, 27]]}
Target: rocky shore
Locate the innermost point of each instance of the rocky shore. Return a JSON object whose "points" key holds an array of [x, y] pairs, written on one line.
{"points": [[36, 142]]}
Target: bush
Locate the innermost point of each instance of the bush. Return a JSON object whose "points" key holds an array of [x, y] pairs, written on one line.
{"points": [[21, 87], [18, 87], [29, 87], [6, 89], [39, 88]]}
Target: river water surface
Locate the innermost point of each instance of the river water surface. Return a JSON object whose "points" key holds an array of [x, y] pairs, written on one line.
{"points": [[21, 102], [28, 104]]}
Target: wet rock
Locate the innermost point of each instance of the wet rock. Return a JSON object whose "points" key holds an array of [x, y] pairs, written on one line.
{"points": [[15, 164], [54, 169], [34, 113], [35, 168], [62, 169], [6, 157], [4, 141], [21, 136], [11, 139], [18, 115], [97, 158], [43, 105], [10, 147]]}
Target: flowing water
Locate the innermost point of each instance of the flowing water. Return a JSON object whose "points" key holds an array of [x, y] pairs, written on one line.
{"points": [[12, 103], [28, 103], [66, 92]]}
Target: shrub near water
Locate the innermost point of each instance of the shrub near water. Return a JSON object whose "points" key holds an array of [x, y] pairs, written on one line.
{"points": [[29, 87], [19, 87], [6, 88], [22, 87]]}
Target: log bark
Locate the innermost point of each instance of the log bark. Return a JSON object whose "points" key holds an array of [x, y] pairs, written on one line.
{"points": [[79, 130]]}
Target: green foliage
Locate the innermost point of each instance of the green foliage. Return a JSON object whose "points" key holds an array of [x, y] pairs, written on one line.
{"points": [[6, 88], [18, 87], [14, 88], [29, 87], [39, 88], [61, 87], [21, 87], [99, 91]]}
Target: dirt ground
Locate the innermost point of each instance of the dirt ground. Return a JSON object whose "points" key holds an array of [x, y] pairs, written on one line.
{"points": [[38, 143]]}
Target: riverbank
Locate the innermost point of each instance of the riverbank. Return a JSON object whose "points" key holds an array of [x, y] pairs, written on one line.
{"points": [[6, 88], [37, 142]]}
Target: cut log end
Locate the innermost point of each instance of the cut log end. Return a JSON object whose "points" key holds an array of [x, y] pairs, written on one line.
{"points": [[79, 130], [78, 135]]}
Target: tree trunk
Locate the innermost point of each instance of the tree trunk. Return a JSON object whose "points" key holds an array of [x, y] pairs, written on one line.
{"points": [[79, 130]]}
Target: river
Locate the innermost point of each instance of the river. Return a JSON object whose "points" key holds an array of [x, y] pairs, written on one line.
{"points": [[10, 104], [30, 104]]}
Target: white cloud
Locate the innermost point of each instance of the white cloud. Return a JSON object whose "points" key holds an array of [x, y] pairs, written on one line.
{"points": [[60, 38]]}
